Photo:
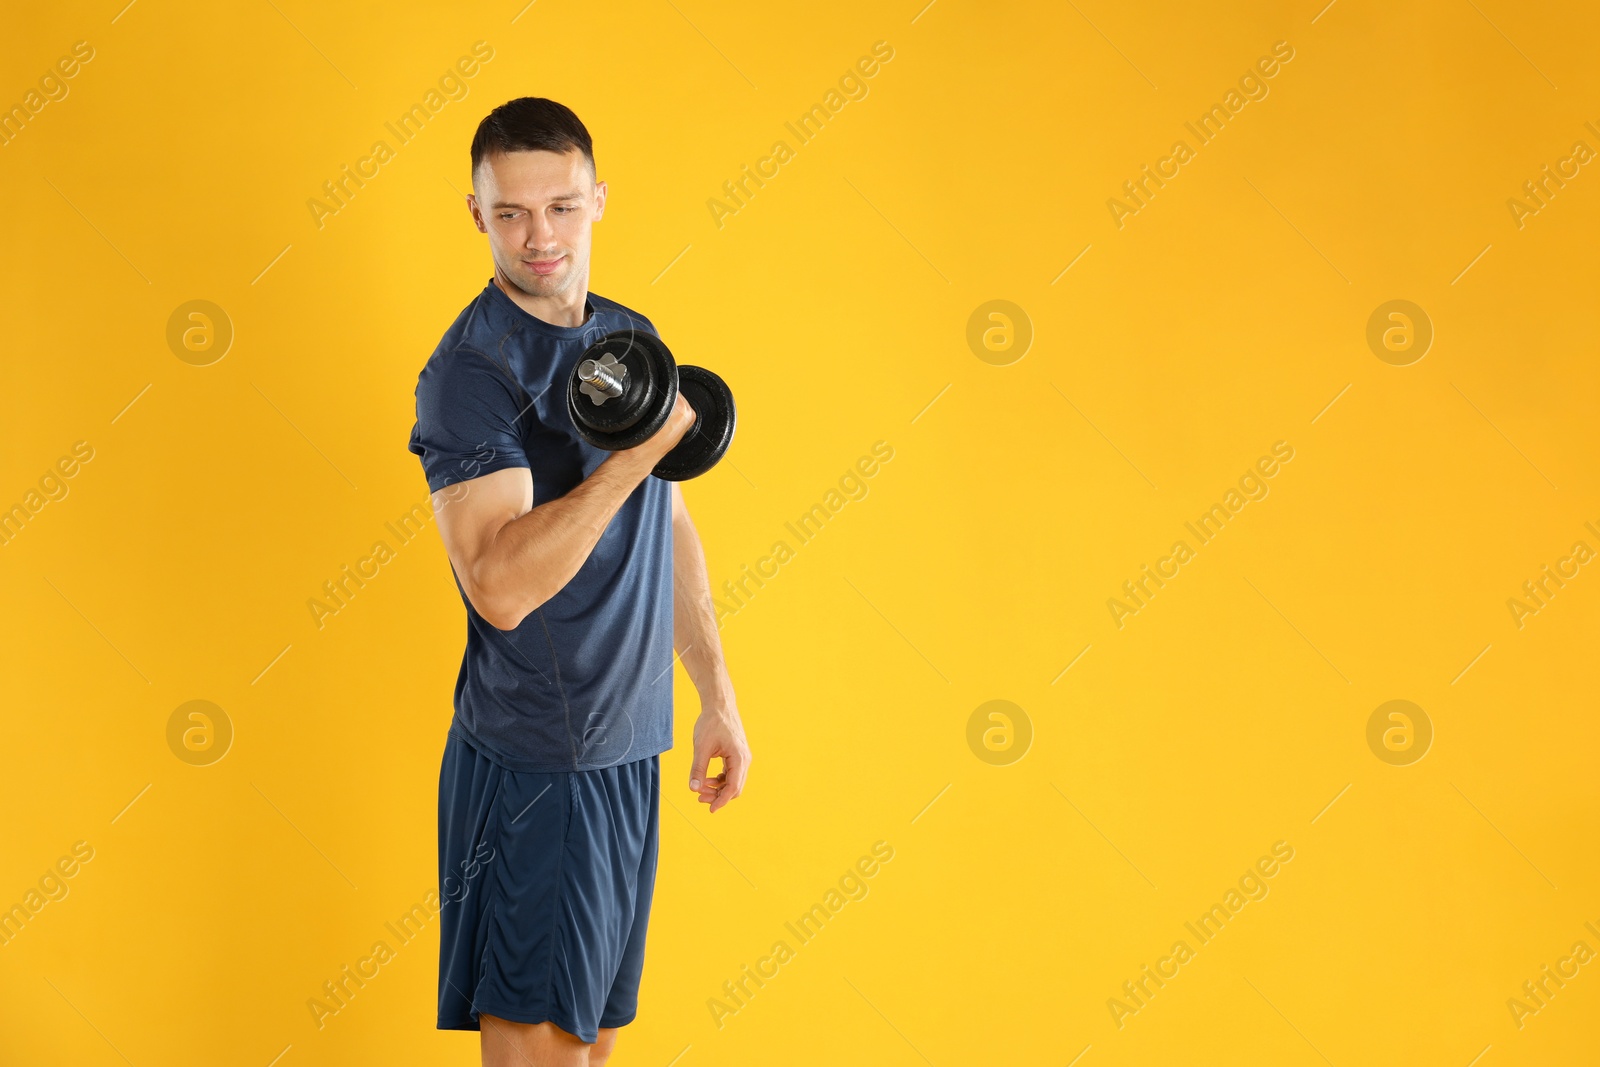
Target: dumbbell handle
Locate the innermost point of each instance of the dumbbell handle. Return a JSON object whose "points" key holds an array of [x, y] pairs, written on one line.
{"points": [[600, 377]]}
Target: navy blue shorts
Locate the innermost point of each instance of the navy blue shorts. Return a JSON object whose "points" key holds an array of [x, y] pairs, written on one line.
{"points": [[545, 883]]}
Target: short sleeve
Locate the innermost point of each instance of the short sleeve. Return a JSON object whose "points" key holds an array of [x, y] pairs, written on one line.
{"points": [[467, 418]]}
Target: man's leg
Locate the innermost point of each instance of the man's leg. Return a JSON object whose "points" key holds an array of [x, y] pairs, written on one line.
{"points": [[600, 1051], [508, 1044]]}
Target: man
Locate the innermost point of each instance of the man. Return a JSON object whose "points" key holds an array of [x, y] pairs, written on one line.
{"points": [[581, 575]]}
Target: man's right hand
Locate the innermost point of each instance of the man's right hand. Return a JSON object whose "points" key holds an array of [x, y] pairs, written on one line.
{"points": [[679, 421]]}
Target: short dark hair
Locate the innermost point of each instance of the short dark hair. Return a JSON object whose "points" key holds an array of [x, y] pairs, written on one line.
{"points": [[531, 124]]}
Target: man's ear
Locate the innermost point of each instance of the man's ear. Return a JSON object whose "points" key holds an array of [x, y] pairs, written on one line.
{"points": [[477, 214], [600, 201]]}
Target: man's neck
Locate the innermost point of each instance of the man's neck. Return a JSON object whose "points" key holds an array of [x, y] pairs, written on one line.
{"points": [[569, 311]]}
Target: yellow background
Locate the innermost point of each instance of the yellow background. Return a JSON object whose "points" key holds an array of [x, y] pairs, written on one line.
{"points": [[1224, 717]]}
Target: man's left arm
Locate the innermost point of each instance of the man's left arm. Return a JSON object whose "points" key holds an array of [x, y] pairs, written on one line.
{"points": [[718, 731]]}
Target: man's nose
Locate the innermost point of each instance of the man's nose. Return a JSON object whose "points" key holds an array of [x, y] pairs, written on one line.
{"points": [[541, 234]]}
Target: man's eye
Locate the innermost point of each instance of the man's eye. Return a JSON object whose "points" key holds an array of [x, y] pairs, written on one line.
{"points": [[508, 215]]}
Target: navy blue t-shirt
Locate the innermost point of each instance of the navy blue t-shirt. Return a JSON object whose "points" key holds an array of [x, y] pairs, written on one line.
{"points": [[585, 681]]}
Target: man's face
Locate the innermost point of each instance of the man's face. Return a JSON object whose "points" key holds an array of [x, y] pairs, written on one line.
{"points": [[539, 209]]}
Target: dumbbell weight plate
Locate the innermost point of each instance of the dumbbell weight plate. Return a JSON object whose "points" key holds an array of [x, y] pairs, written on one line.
{"points": [[712, 433], [648, 393]]}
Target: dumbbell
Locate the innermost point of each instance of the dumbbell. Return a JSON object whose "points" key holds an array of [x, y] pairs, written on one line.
{"points": [[625, 385]]}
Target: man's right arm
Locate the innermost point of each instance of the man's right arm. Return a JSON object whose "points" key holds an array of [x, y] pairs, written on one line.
{"points": [[510, 556]]}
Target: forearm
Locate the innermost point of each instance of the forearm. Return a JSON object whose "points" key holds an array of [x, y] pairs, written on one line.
{"points": [[533, 556], [694, 620]]}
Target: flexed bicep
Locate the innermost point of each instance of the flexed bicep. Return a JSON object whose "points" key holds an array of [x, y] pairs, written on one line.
{"points": [[470, 516]]}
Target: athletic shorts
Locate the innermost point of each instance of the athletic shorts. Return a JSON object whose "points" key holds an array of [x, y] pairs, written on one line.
{"points": [[545, 883]]}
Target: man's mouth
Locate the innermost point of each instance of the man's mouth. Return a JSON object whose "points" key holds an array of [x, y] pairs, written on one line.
{"points": [[546, 266]]}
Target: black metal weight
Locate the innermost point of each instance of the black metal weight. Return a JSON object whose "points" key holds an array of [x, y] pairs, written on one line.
{"points": [[625, 385], [622, 390], [706, 441]]}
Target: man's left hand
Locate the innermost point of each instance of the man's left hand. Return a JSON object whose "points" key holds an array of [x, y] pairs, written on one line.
{"points": [[719, 732]]}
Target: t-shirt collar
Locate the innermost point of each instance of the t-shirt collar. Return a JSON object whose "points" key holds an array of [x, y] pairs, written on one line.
{"points": [[520, 316]]}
